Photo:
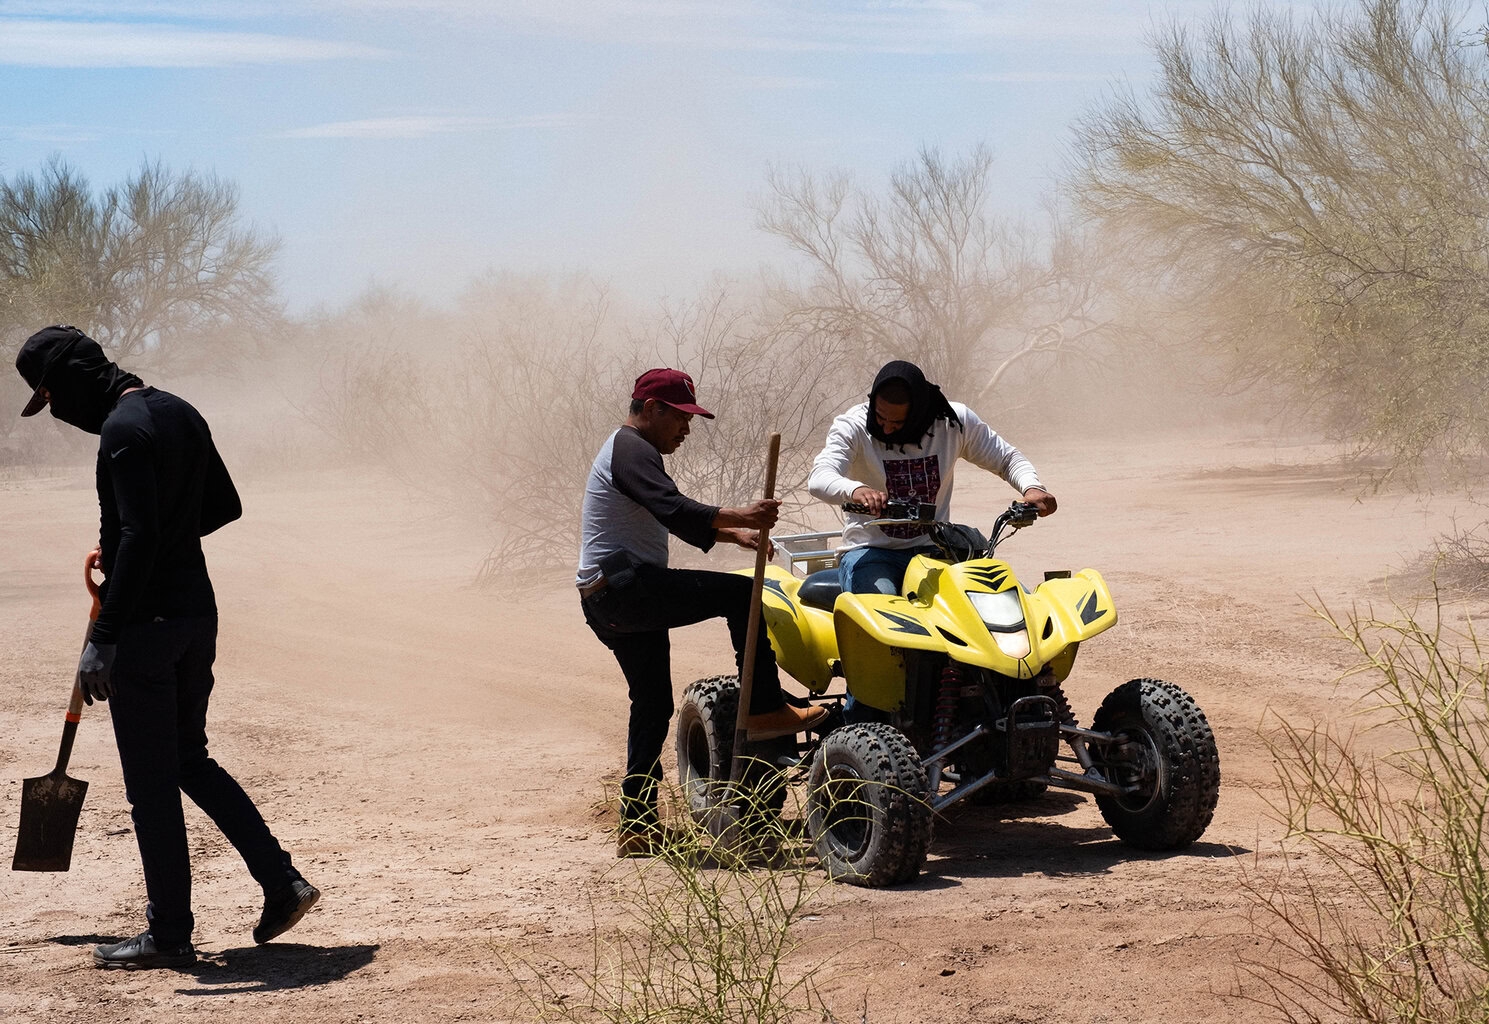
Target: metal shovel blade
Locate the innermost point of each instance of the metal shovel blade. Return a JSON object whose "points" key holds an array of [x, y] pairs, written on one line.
{"points": [[50, 805]]}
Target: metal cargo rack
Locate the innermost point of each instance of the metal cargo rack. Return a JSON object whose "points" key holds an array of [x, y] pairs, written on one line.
{"points": [[807, 553]]}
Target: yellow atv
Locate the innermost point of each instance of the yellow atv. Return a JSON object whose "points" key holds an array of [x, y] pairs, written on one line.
{"points": [[955, 688]]}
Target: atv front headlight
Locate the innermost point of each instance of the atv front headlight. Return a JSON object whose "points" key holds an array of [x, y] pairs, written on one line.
{"points": [[1014, 645], [1001, 612]]}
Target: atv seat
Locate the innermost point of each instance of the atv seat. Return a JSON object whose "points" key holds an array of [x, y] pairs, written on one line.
{"points": [[821, 589]]}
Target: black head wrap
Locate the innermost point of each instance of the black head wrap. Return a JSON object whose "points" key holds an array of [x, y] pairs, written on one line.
{"points": [[927, 405], [83, 383]]}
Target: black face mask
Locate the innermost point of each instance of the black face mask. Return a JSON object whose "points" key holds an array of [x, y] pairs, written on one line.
{"points": [[84, 415], [927, 405], [85, 386]]}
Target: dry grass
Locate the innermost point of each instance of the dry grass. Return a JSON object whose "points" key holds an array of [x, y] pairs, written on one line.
{"points": [[1395, 927]]}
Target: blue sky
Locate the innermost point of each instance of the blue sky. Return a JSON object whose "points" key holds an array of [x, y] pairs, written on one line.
{"points": [[419, 142]]}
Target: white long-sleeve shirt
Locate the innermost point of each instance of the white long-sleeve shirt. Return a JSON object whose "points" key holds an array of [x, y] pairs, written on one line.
{"points": [[852, 458]]}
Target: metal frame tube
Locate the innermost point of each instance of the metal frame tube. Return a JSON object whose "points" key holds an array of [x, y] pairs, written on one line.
{"points": [[1088, 783], [940, 755]]}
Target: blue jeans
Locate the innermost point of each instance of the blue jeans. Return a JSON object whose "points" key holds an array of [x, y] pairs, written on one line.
{"points": [[870, 570]]}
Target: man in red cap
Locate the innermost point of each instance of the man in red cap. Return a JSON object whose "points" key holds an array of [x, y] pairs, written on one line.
{"points": [[631, 598]]}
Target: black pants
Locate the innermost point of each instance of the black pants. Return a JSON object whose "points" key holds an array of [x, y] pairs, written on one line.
{"points": [[162, 679], [633, 623]]}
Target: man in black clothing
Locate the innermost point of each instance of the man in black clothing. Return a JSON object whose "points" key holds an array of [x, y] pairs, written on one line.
{"points": [[631, 598], [161, 488]]}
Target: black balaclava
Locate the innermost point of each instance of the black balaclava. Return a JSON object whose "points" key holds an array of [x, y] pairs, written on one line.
{"points": [[84, 385], [927, 405]]}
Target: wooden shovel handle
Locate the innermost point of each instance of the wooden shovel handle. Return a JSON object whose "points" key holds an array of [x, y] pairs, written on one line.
{"points": [[752, 633], [75, 702]]}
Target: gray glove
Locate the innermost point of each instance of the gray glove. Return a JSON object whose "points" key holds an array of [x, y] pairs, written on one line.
{"points": [[96, 670]]}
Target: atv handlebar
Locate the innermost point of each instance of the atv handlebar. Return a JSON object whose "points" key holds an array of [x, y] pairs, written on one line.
{"points": [[896, 511], [1019, 515]]}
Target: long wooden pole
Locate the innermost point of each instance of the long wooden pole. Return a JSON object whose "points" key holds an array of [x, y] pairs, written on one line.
{"points": [[752, 634]]}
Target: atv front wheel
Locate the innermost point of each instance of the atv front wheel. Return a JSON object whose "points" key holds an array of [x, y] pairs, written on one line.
{"points": [[705, 749], [1167, 752], [867, 809]]}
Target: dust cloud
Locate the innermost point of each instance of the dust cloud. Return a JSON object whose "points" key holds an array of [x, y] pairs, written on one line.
{"points": [[437, 754]]}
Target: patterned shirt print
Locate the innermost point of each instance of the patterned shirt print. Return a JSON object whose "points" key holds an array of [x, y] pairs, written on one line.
{"points": [[911, 480]]}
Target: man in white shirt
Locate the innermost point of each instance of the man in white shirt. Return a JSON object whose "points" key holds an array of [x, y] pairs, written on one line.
{"points": [[903, 445]]}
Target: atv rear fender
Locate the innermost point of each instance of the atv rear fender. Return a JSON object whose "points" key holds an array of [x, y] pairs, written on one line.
{"points": [[800, 635]]}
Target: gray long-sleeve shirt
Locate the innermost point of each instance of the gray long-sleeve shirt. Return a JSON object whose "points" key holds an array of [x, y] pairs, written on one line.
{"points": [[631, 504]]}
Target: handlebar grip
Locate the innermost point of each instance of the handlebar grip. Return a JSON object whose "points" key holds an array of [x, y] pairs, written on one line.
{"points": [[857, 507]]}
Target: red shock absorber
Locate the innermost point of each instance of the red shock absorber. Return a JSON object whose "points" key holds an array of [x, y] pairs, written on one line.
{"points": [[946, 702], [1066, 713]]}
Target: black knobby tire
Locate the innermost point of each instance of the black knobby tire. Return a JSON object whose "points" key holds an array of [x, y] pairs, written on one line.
{"points": [[867, 809], [1171, 749], [705, 746]]}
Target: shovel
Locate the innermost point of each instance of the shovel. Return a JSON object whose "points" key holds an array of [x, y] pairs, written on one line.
{"points": [[50, 804], [730, 837]]}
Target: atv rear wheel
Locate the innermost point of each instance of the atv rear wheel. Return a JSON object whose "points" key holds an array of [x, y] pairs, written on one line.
{"points": [[705, 749], [1169, 752], [867, 811]]}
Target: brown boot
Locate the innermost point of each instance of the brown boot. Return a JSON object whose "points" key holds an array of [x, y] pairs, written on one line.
{"points": [[636, 842], [785, 721]]}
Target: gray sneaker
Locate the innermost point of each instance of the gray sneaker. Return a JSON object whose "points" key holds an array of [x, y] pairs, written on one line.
{"points": [[141, 952]]}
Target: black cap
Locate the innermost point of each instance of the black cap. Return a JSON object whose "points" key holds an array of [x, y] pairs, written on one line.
{"points": [[43, 351]]}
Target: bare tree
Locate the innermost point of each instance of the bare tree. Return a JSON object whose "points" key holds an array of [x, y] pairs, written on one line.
{"points": [[1334, 169], [150, 268], [927, 272], [762, 375]]}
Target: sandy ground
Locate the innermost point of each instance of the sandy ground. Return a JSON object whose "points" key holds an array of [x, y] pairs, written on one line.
{"points": [[433, 756]]}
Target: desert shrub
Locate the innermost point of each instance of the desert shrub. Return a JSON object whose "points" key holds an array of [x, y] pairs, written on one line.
{"points": [[160, 269], [504, 416], [1460, 558], [1395, 927], [702, 933], [1313, 186]]}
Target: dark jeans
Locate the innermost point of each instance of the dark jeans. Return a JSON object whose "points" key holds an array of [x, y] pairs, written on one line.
{"points": [[633, 623], [162, 679]]}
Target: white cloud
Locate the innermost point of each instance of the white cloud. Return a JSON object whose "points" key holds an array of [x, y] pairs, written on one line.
{"points": [[60, 134], [1035, 76], [860, 26], [107, 44], [422, 126], [783, 82], [885, 26]]}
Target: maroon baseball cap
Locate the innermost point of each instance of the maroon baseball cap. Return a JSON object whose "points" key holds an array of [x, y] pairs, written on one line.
{"points": [[671, 387]]}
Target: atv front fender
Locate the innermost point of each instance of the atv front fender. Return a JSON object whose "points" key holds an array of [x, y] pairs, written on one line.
{"points": [[871, 630]]}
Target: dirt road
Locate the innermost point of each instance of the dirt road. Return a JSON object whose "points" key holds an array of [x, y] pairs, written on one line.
{"points": [[433, 755]]}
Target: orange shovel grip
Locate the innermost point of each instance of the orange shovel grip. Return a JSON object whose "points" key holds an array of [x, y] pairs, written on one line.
{"points": [[90, 584]]}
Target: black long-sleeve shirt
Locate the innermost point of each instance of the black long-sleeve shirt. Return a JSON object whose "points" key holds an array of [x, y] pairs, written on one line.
{"points": [[161, 487], [631, 504]]}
